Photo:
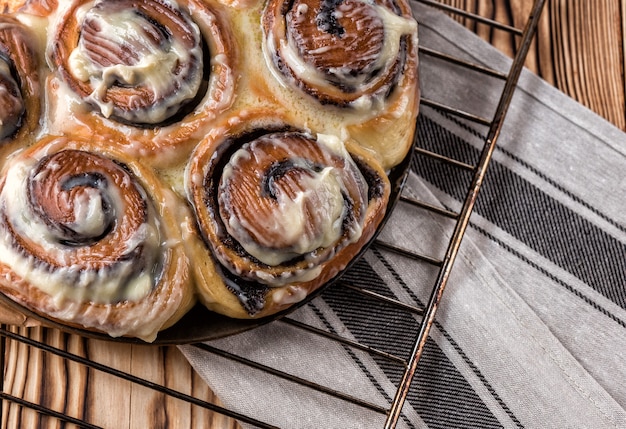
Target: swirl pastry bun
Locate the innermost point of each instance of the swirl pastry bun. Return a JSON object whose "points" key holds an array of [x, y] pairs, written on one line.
{"points": [[88, 238], [152, 73], [20, 95], [280, 209], [160, 154]]}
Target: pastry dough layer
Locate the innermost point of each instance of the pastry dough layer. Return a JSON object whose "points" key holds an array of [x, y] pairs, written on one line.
{"points": [[159, 152]]}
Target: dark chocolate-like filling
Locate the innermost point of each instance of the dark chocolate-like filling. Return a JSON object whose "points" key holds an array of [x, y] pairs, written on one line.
{"points": [[12, 85], [375, 183], [326, 19], [252, 294]]}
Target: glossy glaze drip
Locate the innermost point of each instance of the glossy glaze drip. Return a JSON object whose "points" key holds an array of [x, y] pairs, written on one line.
{"points": [[79, 227], [12, 105], [341, 39], [155, 51], [343, 52], [297, 204], [282, 204]]}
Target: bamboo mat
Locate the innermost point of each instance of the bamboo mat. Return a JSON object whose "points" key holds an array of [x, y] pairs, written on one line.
{"points": [[580, 49]]}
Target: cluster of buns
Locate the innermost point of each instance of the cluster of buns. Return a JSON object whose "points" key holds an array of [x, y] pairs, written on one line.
{"points": [[157, 154]]}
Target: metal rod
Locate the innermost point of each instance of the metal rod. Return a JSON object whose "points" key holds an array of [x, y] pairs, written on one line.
{"points": [[290, 377], [456, 112], [408, 253], [454, 60], [446, 159], [133, 379], [430, 207], [47, 411], [470, 200], [341, 340], [389, 301], [473, 16]]}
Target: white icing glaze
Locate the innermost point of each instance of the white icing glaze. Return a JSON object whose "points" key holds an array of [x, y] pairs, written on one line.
{"points": [[38, 27], [307, 219], [291, 294], [89, 215], [106, 285], [157, 68], [395, 27], [290, 219]]}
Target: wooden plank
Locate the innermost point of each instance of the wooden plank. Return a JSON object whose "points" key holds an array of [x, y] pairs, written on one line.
{"points": [[579, 47], [565, 53], [99, 398]]}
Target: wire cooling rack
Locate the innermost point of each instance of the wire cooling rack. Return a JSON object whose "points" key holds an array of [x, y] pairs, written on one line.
{"points": [[11, 338]]}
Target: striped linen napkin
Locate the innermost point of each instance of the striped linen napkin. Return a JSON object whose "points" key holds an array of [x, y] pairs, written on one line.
{"points": [[531, 331]]}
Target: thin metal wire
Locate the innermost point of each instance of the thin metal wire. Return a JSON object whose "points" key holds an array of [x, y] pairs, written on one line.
{"points": [[474, 17], [455, 111], [469, 65], [45, 411], [384, 299], [408, 253], [350, 343], [429, 207], [128, 377], [446, 159], [464, 217], [424, 316], [290, 377]]}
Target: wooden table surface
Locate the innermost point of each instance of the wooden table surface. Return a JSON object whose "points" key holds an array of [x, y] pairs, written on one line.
{"points": [[579, 49]]}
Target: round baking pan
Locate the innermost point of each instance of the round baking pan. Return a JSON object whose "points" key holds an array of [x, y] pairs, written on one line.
{"points": [[201, 324]]}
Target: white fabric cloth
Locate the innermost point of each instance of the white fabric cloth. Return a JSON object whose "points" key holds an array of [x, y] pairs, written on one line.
{"points": [[531, 331]]}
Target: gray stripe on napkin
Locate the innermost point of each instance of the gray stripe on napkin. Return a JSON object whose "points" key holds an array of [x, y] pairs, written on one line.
{"points": [[442, 395], [583, 297], [388, 370], [529, 214], [512, 346]]}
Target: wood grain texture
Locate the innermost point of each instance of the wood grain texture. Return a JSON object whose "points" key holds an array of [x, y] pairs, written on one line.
{"points": [[579, 47], [97, 397]]}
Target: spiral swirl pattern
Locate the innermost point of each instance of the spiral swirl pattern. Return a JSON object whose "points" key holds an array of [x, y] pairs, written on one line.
{"points": [[140, 62], [19, 79], [82, 228], [343, 52], [283, 204], [233, 151], [276, 204], [11, 102]]}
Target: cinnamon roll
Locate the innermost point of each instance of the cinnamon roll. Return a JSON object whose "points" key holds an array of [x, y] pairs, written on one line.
{"points": [[41, 8], [152, 151], [343, 52], [20, 97], [356, 55], [150, 71], [282, 211], [91, 239]]}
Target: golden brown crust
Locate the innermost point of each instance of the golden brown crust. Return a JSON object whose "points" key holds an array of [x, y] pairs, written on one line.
{"points": [[243, 90], [170, 140], [20, 55], [341, 56], [364, 62], [269, 287], [143, 236], [10, 6]]}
